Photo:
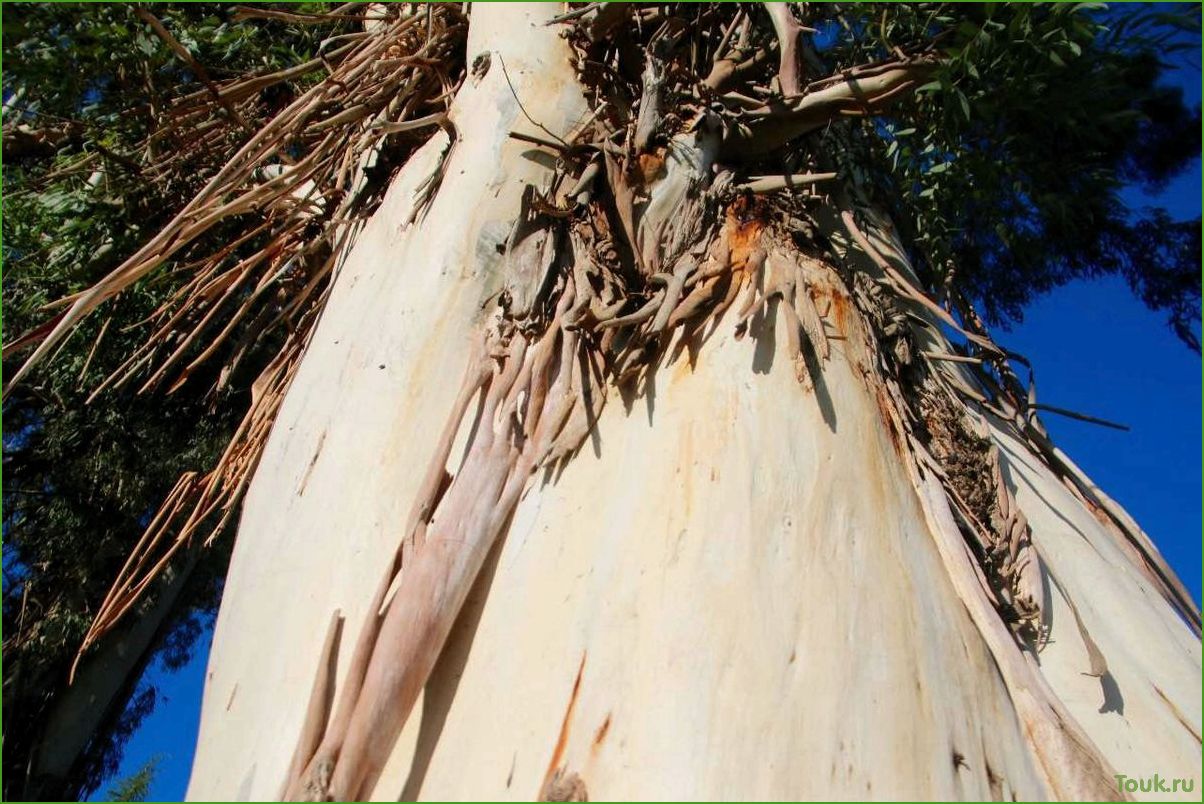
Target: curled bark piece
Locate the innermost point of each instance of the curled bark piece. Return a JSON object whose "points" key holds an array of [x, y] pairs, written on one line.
{"points": [[673, 289], [531, 250], [586, 179], [694, 301], [1097, 664], [953, 358], [649, 118], [794, 347], [639, 316], [606, 313], [809, 318], [583, 291], [476, 376]]}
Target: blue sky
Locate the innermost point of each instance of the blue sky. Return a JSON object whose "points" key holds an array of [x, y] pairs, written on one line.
{"points": [[1096, 349]]}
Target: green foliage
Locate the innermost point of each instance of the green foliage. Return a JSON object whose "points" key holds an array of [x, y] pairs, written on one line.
{"points": [[96, 81], [136, 786], [1005, 168]]}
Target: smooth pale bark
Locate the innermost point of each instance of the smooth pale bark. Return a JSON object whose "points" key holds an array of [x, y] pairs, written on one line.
{"points": [[1147, 719], [734, 589]]}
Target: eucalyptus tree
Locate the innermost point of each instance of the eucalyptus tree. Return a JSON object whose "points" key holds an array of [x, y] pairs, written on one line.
{"points": [[636, 428]]}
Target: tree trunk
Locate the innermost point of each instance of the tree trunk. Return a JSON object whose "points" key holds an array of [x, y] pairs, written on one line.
{"points": [[744, 583], [100, 690]]}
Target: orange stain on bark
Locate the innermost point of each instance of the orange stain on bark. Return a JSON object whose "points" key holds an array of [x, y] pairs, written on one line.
{"points": [[745, 223], [563, 738], [602, 731]]}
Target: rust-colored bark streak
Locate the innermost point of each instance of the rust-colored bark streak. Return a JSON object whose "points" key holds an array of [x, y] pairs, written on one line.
{"points": [[839, 312], [1178, 715], [313, 461], [744, 225], [651, 166], [602, 731], [563, 738], [886, 408]]}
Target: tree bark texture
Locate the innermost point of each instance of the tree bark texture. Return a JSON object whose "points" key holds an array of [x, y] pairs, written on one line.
{"points": [[736, 577]]}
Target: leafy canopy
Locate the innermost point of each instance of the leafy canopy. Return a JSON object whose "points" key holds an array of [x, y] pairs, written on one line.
{"points": [[1007, 166]]}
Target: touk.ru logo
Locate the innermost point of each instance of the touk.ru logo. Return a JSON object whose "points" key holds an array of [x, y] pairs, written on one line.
{"points": [[1153, 784]]}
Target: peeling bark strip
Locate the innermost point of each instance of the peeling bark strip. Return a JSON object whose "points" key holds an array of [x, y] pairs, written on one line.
{"points": [[957, 472], [320, 701], [950, 440]]}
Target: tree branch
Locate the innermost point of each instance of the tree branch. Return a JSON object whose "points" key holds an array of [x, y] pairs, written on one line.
{"points": [[790, 63], [857, 93], [771, 184]]}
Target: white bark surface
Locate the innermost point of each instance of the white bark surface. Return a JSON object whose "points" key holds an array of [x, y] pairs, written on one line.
{"points": [[733, 591], [754, 604], [1149, 722]]}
